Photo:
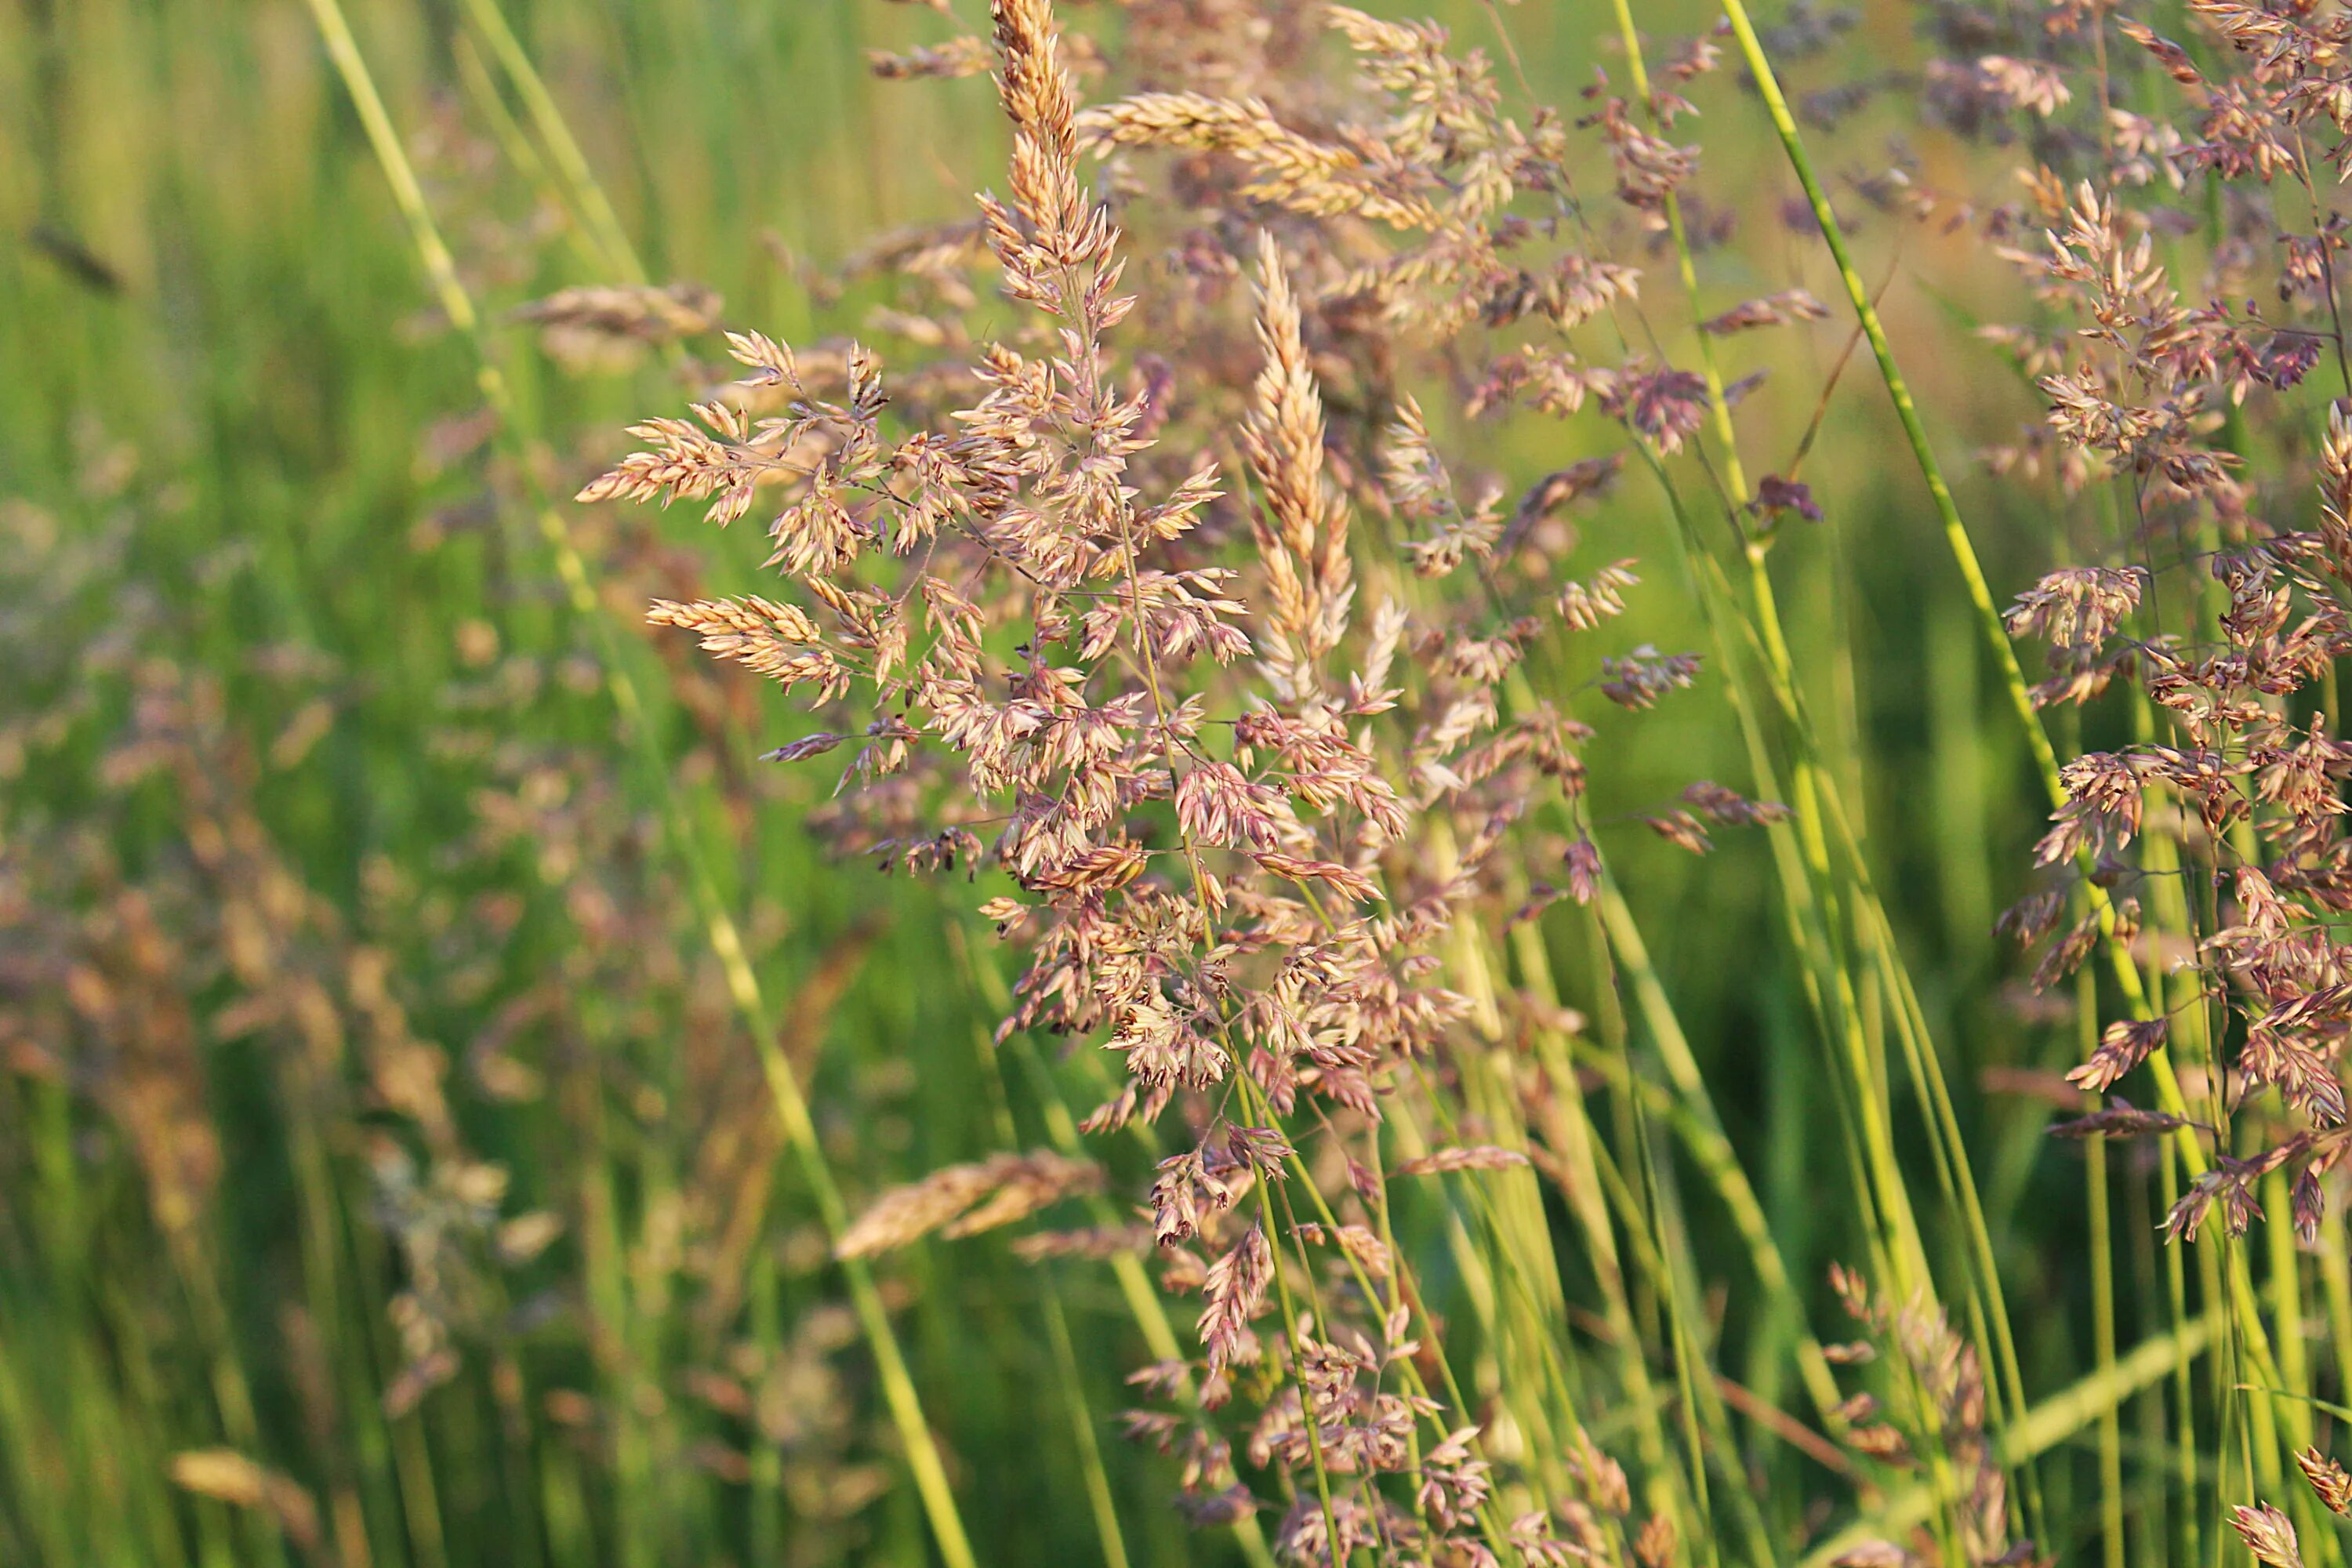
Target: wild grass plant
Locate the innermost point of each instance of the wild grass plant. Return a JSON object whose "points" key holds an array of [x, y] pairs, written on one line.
{"points": [[1332, 895]]}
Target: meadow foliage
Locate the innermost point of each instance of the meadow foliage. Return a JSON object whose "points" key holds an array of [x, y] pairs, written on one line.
{"points": [[1127, 940]]}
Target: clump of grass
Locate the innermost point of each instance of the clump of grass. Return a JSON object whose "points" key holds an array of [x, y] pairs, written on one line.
{"points": [[1208, 868], [1285, 579], [1145, 919]]}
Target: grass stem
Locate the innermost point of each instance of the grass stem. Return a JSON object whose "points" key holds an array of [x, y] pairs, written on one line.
{"points": [[743, 987]]}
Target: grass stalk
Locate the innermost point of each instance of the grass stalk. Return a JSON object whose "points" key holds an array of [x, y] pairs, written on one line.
{"points": [[2102, 1294], [922, 1452], [603, 225], [1143, 1303], [1808, 908], [2125, 972], [2054, 1420], [1586, 1160], [1709, 1146], [1816, 794], [1086, 1442], [1706, 1424], [1277, 1243], [1082, 1437]]}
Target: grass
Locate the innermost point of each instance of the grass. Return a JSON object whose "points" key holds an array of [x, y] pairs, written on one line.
{"points": [[369, 887]]}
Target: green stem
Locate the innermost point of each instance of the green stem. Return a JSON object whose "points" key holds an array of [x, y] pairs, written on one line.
{"points": [[604, 226], [2102, 1295], [923, 1456], [1143, 1304], [996, 1073], [1709, 1146], [1963, 549], [2047, 1425], [1082, 1426], [1276, 1244]]}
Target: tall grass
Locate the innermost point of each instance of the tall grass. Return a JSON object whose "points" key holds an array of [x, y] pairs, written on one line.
{"points": [[462, 1101]]}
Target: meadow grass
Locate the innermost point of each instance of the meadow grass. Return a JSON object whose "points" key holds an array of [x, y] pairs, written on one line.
{"points": [[445, 1062]]}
